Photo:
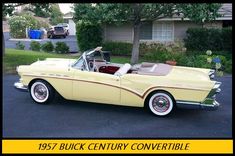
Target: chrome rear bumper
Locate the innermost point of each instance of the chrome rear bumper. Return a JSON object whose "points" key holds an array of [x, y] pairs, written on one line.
{"points": [[20, 86], [197, 105], [209, 103]]}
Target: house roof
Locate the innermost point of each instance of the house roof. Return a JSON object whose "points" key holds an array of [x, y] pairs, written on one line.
{"points": [[68, 15], [225, 11]]}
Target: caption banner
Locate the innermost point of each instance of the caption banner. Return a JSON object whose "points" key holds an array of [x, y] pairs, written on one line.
{"points": [[117, 146]]}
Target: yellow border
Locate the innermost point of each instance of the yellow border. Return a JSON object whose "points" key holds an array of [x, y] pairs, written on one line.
{"points": [[117, 146]]}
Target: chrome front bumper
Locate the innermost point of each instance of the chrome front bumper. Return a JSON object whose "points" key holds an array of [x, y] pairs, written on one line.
{"points": [[20, 86]]}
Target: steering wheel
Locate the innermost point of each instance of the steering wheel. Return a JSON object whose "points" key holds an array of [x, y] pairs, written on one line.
{"points": [[92, 66]]}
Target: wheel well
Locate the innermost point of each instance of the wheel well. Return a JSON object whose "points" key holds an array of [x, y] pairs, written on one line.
{"points": [[32, 81], [155, 91]]}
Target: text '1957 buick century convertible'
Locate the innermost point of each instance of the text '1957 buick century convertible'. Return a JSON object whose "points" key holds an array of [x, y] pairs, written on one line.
{"points": [[159, 87]]}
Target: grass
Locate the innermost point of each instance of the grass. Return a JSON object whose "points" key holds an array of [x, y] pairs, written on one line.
{"points": [[14, 58]]}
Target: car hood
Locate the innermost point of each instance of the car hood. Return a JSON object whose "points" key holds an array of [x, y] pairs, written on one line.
{"points": [[189, 73], [54, 62]]}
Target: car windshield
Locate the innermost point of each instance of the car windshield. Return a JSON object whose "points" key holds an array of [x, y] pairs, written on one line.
{"points": [[58, 28], [82, 62]]}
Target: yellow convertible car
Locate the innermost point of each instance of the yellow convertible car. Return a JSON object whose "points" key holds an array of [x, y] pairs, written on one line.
{"points": [[159, 87]]}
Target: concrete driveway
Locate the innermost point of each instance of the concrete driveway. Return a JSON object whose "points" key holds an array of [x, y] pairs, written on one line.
{"points": [[71, 41], [72, 119]]}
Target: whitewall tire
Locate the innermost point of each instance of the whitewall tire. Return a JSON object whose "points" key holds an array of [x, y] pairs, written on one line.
{"points": [[161, 103], [41, 92]]}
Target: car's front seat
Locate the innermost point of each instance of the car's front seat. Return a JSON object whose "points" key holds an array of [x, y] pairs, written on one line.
{"points": [[123, 70]]}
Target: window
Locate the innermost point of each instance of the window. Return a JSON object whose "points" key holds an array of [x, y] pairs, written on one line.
{"points": [[163, 31], [146, 31]]}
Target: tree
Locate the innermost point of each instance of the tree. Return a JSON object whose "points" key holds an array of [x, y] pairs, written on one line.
{"points": [[56, 15], [137, 13], [8, 9], [40, 10]]}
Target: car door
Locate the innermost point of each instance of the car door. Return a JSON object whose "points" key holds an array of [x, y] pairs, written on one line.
{"points": [[96, 87]]}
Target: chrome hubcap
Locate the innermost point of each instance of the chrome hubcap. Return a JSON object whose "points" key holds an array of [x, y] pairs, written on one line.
{"points": [[40, 92], [161, 103]]}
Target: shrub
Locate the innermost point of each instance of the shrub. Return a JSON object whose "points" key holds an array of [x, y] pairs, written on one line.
{"points": [[124, 49], [88, 35], [227, 38], [118, 48], [228, 66], [176, 47], [20, 45], [35, 46], [47, 47], [18, 25], [201, 39], [61, 48]]}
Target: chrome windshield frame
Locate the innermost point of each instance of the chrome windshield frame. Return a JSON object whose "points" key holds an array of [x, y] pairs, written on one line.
{"points": [[87, 53], [83, 56]]}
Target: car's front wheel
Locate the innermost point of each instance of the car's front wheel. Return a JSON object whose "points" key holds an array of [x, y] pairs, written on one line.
{"points": [[161, 103], [42, 92]]}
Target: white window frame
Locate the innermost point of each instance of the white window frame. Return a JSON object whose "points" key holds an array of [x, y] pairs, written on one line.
{"points": [[154, 30]]}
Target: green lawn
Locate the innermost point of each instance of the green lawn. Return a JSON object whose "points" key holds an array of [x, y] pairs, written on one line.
{"points": [[14, 57]]}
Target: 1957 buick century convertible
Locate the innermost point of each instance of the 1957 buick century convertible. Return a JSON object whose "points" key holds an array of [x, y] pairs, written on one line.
{"points": [[160, 87]]}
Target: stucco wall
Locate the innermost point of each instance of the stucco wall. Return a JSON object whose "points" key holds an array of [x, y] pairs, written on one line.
{"points": [[125, 32], [180, 28], [214, 24], [118, 33]]}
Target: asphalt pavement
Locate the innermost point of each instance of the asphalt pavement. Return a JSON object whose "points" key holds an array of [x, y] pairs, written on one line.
{"points": [[72, 119]]}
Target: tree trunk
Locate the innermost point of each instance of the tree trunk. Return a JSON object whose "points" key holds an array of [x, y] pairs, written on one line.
{"points": [[3, 44], [136, 41]]}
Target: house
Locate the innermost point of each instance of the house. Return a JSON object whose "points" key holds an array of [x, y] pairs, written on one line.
{"points": [[166, 29], [68, 18], [163, 30]]}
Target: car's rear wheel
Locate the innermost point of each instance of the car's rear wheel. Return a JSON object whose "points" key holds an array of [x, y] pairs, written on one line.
{"points": [[42, 92], [161, 103]]}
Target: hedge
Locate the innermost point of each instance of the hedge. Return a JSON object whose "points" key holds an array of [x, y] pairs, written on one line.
{"points": [[117, 48], [35, 46], [215, 39], [88, 35], [124, 48], [47, 47], [61, 48]]}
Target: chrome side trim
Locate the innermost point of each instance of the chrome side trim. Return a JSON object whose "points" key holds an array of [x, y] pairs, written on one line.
{"points": [[20, 86]]}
